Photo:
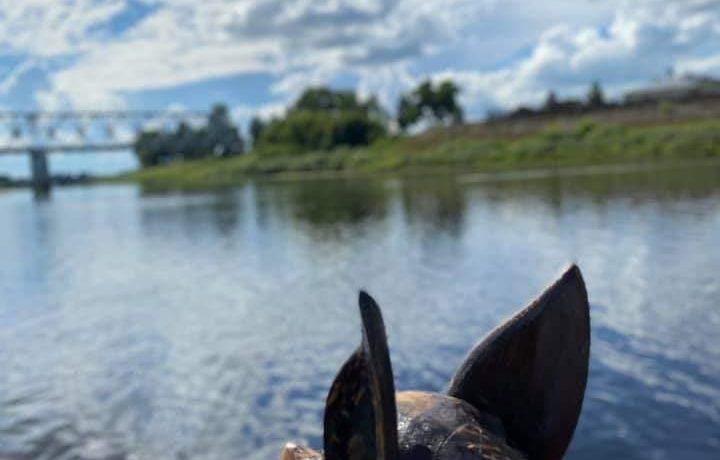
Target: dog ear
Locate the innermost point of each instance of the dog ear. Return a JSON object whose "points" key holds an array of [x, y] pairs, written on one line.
{"points": [[360, 412], [531, 371]]}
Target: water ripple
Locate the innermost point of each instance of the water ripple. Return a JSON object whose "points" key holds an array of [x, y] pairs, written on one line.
{"points": [[210, 325]]}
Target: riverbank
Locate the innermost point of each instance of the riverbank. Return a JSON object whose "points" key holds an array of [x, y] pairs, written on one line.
{"points": [[583, 144], [7, 182]]}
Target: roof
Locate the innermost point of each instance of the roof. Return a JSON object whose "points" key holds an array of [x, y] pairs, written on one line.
{"points": [[678, 86]]}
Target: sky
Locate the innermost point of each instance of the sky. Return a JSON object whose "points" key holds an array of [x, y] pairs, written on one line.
{"points": [[256, 56]]}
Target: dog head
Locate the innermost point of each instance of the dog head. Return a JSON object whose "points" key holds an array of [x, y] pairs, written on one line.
{"points": [[517, 395]]}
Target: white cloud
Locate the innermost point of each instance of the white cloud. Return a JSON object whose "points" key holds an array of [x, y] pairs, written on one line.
{"points": [[47, 28], [300, 42], [503, 52], [708, 65], [640, 44]]}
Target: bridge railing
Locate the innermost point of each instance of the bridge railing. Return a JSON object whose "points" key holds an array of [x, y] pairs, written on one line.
{"points": [[37, 133]]}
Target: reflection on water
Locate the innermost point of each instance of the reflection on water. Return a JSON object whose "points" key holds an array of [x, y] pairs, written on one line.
{"points": [[333, 204], [209, 325]]}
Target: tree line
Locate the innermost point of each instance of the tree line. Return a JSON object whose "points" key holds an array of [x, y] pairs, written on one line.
{"points": [[217, 137], [320, 119], [594, 100]]}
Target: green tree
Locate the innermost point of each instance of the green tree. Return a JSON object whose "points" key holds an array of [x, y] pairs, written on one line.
{"points": [[435, 103], [307, 130], [222, 135], [409, 112], [446, 105], [326, 99], [152, 148], [551, 101], [219, 137], [256, 128], [595, 96], [322, 119]]}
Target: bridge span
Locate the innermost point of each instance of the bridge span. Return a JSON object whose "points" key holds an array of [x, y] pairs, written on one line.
{"points": [[39, 133]]}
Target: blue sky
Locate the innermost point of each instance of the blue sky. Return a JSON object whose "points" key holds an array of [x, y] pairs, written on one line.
{"points": [[257, 55]]}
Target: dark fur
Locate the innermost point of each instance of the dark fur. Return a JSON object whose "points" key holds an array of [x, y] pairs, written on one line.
{"points": [[517, 395]]}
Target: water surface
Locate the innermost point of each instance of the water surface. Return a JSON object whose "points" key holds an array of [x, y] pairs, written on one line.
{"points": [[139, 325]]}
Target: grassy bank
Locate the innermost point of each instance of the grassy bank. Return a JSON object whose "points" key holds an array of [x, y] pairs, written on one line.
{"points": [[586, 143]]}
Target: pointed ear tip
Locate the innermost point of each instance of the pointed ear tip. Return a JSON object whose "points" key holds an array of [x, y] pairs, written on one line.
{"points": [[572, 270], [364, 297], [366, 302], [572, 274], [372, 318], [572, 279]]}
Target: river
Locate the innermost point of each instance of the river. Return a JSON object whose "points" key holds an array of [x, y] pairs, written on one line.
{"points": [[209, 325]]}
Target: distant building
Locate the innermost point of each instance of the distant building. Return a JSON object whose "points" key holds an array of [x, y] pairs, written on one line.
{"points": [[676, 88]]}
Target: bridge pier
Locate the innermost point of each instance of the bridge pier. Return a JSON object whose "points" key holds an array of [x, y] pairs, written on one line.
{"points": [[40, 171], [35, 134]]}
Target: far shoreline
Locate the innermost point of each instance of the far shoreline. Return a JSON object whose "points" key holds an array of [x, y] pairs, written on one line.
{"points": [[463, 176], [584, 147]]}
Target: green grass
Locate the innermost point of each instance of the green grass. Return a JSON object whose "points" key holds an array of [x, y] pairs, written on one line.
{"points": [[587, 143]]}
